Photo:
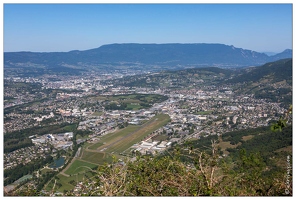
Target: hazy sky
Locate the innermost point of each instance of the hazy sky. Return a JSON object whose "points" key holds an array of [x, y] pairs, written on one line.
{"points": [[66, 27]]}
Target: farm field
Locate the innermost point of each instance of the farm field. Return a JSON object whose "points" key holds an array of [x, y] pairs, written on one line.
{"points": [[79, 166], [96, 157]]}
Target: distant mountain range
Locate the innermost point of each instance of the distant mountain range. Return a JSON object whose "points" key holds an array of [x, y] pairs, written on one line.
{"points": [[163, 55]]}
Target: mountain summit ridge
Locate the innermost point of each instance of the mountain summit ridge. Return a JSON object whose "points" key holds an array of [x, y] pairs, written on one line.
{"points": [[169, 54]]}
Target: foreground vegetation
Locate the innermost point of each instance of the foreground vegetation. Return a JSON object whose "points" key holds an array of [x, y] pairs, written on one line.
{"points": [[198, 168], [247, 171]]}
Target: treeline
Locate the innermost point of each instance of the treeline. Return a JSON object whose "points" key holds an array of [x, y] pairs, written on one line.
{"points": [[203, 145], [266, 142], [15, 144], [115, 106], [83, 133], [235, 137], [151, 98], [213, 70]]}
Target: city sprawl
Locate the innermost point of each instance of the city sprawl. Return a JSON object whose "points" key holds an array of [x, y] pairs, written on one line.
{"points": [[87, 119], [197, 110]]}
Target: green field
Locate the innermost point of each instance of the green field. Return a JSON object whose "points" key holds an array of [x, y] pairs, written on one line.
{"points": [[125, 138], [133, 107], [117, 135], [96, 157], [79, 166], [45, 170], [160, 138], [78, 171], [68, 183]]}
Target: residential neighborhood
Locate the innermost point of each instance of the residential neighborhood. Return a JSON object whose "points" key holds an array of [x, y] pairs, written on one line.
{"points": [[195, 112]]}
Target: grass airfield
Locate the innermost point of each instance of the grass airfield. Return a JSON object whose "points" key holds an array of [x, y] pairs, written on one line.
{"points": [[112, 144]]}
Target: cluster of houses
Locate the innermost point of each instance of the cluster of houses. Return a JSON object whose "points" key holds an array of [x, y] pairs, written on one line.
{"points": [[39, 119], [24, 155]]}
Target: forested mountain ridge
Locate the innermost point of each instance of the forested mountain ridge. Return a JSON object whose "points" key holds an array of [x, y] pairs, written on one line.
{"points": [[276, 71], [272, 81], [178, 56]]}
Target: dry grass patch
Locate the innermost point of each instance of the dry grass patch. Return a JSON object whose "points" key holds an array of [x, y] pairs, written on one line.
{"points": [[224, 145], [247, 137], [287, 149]]}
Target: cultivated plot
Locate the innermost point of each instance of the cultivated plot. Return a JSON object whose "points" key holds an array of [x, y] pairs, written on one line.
{"points": [[79, 166], [96, 157]]}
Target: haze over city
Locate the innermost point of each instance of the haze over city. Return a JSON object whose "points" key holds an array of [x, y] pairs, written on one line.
{"points": [[66, 27], [130, 99]]}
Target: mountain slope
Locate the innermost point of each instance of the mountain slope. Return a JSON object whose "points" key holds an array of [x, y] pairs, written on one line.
{"points": [[285, 54], [275, 71], [208, 54], [194, 55], [272, 81]]}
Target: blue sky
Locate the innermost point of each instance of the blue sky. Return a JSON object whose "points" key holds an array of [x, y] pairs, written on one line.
{"points": [[66, 27]]}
